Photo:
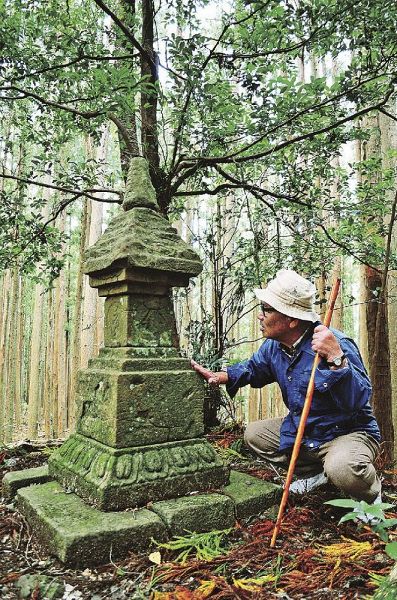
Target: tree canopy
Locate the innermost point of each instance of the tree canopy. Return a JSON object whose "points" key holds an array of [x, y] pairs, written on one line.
{"points": [[253, 99]]}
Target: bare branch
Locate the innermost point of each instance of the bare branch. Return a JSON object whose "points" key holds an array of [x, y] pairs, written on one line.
{"points": [[346, 248], [210, 192], [259, 190], [174, 73]]}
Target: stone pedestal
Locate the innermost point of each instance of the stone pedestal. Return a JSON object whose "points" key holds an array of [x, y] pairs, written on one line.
{"points": [[139, 434]]}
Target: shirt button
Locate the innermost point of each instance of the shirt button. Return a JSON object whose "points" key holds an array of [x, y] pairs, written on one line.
{"points": [[325, 384], [311, 445], [289, 378]]}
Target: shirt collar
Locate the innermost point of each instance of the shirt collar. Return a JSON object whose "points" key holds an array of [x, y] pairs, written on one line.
{"points": [[292, 350]]}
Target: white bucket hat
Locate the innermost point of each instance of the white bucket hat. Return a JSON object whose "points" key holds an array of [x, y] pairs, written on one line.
{"points": [[291, 295]]}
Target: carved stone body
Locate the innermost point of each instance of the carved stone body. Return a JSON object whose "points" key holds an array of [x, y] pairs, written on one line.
{"points": [[140, 404]]}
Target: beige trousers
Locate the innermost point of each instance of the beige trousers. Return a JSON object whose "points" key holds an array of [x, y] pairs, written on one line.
{"points": [[348, 460]]}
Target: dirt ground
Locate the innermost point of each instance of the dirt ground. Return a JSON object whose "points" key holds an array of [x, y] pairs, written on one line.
{"points": [[315, 558]]}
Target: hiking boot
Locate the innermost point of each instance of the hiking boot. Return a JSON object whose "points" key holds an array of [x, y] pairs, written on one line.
{"points": [[302, 486]]}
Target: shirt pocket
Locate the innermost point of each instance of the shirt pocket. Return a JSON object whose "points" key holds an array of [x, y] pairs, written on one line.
{"points": [[320, 386], [322, 402]]}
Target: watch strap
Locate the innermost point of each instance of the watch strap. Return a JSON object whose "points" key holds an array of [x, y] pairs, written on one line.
{"points": [[336, 361]]}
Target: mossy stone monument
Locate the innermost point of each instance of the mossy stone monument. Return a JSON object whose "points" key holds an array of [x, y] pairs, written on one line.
{"points": [[128, 473]]}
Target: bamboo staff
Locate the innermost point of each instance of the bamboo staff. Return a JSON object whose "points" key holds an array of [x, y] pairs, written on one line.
{"points": [[305, 414]]}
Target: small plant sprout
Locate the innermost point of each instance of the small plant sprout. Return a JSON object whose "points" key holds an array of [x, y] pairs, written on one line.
{"points": [[371, 514]]}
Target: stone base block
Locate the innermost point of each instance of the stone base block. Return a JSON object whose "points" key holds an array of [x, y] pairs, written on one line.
{"points": [[196, 513], [81, 535], [16, 480], [116, 479], [251, 496]]}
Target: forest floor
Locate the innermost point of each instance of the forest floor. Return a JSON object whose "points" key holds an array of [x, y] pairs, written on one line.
{"points": [[315, 558]]}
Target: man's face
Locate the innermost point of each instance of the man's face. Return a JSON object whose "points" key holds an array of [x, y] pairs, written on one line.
{"points": [[274, 325]]}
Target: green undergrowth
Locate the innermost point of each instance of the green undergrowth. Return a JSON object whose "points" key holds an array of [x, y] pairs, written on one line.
{"points": [[202, 546]]}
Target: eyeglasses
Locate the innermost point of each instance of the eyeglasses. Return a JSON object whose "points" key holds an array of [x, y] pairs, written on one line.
{"points": [[267, 309]]}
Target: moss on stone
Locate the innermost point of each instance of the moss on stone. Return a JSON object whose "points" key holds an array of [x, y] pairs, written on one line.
{"points": [[141, 239], [16, 480], [139, 190], [79, 534], [116, 479], [251, 496], [196, 513]]}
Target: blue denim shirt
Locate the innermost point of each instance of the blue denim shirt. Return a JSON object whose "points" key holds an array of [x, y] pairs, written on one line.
{"points": [[341, 399]]}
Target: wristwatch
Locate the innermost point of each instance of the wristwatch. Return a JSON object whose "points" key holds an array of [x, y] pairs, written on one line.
{"points": [[336, 361]]}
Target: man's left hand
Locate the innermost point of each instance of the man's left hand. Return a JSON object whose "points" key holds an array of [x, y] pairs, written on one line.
{"points": [[325, 343]]}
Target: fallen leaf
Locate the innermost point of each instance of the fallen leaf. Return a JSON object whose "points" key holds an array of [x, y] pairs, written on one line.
{"points": [[155, 557]]}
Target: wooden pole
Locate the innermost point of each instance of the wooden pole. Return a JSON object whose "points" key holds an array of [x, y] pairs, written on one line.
{"points": [[303, 419]]}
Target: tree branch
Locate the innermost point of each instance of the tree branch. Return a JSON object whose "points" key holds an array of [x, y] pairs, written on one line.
{"points": [[305, 111], [209, 160], [124, 134], [78, 59], [258, 189], [388, 114], [87, 193], [129, 35], [345, 248], [190, 90], [27, 94]]}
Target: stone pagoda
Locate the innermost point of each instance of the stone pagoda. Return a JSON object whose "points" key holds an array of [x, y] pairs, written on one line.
{"points": [[138, 466]]}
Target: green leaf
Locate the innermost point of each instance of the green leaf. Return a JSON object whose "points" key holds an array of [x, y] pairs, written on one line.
{"points": [[348, 517], [391, 550], [342, 503]]}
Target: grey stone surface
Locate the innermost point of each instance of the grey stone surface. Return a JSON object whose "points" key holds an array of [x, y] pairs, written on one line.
{"points": [[250, 495], [14, 480], [81, 535], [138, 408]]}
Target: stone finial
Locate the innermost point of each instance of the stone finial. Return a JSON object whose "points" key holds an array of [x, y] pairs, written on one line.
{"points": [[139, 190]]}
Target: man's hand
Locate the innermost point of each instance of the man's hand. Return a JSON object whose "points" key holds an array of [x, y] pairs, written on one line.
{"points": [[212, 378], [325, 343]]}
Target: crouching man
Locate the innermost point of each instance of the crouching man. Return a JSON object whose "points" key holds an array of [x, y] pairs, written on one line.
{"points": [[341, 438]]}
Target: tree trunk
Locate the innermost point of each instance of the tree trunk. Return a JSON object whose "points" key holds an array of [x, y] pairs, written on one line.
{"points": [[381, 382], [10, 378], [127, 119], [90, 308], [4, 349], [48, 334], [76, 346], [149, 97], [388, 129], [34, 370], [59, 401], [377, 327]]}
